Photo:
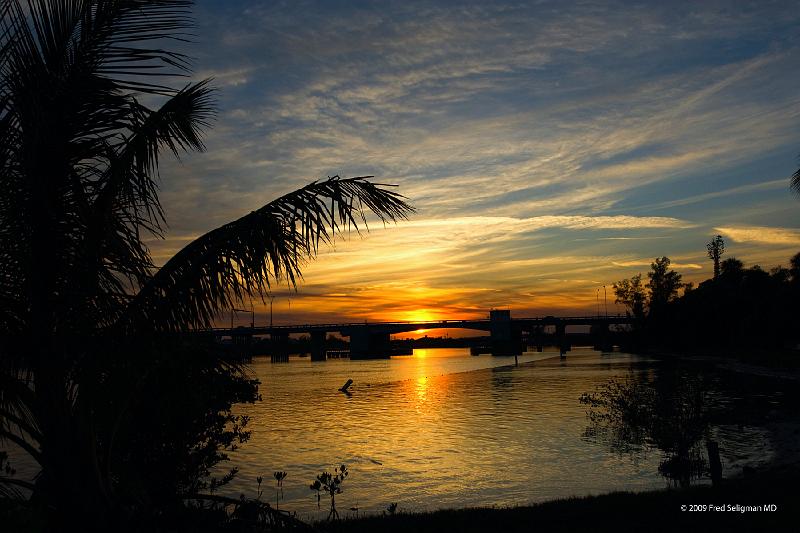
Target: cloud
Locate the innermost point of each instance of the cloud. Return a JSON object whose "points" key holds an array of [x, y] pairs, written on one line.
{"points": [[648, 262], [762, 235], [528, 138], [226, 77], [772, 185]]}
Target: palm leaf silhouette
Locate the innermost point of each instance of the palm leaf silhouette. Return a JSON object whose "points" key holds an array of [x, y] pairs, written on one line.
{"points": [[86, 111], [242, 257]]}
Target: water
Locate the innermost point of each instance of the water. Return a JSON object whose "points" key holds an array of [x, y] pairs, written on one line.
{"points": [[442, 429]]}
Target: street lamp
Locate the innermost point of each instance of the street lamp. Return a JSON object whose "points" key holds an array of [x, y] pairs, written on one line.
{"points": [[597, 299], [271, 299]]}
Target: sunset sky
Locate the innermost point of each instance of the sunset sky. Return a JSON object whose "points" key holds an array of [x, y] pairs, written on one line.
{"points": [[550, 148]]}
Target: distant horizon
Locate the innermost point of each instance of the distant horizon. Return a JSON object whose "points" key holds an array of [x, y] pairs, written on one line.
{"points": [[284, 300]]}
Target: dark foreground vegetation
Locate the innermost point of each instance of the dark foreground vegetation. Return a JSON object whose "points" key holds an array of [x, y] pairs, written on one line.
{"points": [[742, 312], [621, 511], [123, 412]]}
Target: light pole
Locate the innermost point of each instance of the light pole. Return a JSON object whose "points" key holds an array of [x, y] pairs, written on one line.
{"points": [[605, 300], [598, 301], [271, 298]]}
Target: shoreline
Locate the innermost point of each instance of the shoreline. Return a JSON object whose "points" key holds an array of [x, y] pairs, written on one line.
{"points": [[744, 502], [737, 504], [732, 364]]}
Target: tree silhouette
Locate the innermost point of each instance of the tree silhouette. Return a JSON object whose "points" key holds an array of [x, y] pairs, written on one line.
{"points": [[631, 293], [731, 267], [794, 268], [663, 283], [715, 250], [86, 316]]}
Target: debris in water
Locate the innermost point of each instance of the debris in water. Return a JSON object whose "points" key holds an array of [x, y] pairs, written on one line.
{"points": [[346, 386]]}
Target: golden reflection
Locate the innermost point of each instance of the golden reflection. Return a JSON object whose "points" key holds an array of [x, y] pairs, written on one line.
{"points": [[422, 390]]}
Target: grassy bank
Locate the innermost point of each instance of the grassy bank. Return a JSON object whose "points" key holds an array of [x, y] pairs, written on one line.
{"points": [[620, 511]]}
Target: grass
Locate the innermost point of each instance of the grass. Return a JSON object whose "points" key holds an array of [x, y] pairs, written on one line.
{"points": [[654, 511], [619, 511]]}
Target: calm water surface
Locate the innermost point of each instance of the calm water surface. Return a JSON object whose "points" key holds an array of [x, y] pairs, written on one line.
{"points": [[441, 429]]}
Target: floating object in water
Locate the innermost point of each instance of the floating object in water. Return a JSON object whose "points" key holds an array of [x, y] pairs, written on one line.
{"points": [[346, 386], [376, 462]]}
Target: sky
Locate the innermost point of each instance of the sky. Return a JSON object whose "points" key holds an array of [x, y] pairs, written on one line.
{"points": [[550, 148]]}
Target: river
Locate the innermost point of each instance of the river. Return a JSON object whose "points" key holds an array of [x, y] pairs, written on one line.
{"points": [[443, 429]]}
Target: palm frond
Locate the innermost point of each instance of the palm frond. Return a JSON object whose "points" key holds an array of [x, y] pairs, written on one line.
{"points": [[127, 201], [17, 421], [111, 39], [795, 182], [66, 90], [245, 257]]}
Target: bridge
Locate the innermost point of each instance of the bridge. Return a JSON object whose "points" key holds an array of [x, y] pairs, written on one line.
{"points": [[371, 340]]}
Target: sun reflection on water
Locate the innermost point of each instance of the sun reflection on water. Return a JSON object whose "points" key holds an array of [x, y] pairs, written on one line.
{"points": [[422, 390]]}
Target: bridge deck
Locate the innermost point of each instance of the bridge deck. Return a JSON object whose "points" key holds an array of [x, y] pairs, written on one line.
{"points": [[484, 324]]}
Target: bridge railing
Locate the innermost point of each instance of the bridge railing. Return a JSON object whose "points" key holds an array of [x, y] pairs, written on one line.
{"points": [[438, 323]]}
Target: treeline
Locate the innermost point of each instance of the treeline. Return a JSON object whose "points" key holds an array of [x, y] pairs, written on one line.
{"points": [[740, 309]]}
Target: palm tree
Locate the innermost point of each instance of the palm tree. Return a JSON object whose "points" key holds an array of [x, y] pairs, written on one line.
{"points": [[79, 152], [715, 250], [795, 182]]}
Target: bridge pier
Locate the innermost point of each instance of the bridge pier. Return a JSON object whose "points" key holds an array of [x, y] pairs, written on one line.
{"points": [[561, 338], [602, 337], [318, 345], [279, 344], [505, 337], [365, 344]]}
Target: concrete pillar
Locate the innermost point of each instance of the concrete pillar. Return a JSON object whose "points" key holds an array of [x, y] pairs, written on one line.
{"points": [[561, 338], [537, 338], [241, 345], [601, 337], [318, 345], [506, 339], [368, 344], [279, 342]]}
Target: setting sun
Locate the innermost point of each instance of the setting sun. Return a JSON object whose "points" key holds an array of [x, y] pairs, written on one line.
{"points": [[421, 315]]}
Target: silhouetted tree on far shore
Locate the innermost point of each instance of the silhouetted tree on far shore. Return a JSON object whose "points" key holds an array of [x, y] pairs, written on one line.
{"points": [[747, 310], [731, 267], [794, 269], [631, 293], [663, 283], [715, 250]]}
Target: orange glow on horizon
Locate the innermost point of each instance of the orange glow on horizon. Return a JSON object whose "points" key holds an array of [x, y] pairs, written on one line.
{"points": [[421, 315]]}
